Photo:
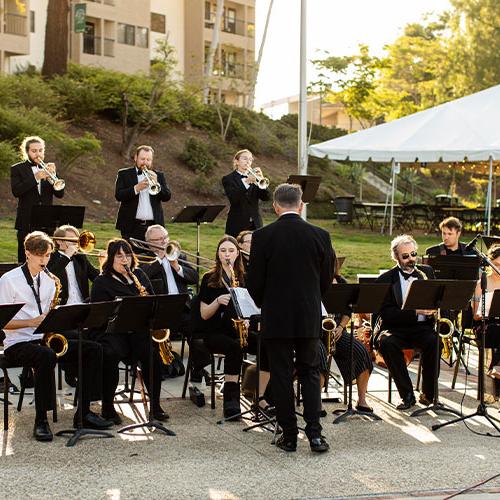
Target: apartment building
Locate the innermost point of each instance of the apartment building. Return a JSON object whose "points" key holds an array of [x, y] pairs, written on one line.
{"points": [[123, 35]]}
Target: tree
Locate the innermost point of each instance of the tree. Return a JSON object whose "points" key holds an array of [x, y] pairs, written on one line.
{"points": [[55, 60], [209, 63]]}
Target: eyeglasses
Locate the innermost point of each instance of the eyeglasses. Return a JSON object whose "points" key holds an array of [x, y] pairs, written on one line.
{"points": [[405, 256], [163, 238], [123, 256]]}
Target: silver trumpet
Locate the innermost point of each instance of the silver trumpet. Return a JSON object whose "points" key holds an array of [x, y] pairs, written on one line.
{"points": [[57, 184], [262, 182], [154, 185]]}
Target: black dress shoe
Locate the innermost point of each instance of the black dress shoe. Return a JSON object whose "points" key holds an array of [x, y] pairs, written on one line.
{"points": [[323, 413], [42, 432], [112, 416], [319, 444], [408, 401], [423, 399], [364, 409], [160, 415], [92, 421], [286, 444]]}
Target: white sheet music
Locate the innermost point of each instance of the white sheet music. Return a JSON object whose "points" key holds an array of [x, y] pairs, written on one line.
{"points": [[246, 303]]}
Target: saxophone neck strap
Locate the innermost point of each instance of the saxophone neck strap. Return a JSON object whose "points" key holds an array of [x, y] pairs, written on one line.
{"points": [[29, 280]]}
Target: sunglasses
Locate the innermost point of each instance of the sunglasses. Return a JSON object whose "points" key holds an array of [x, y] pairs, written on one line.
{"points": [[405, 256]]}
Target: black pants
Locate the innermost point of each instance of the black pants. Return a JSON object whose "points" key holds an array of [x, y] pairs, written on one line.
{"points": [[21, 256], [43, 360], [281, 360], [128, 347], [137, 231], [391, 345]]}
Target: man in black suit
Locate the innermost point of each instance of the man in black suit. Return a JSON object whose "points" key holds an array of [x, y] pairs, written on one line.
{"points": [[30, 184], [244, 195], [451, 229], [291, 267], [406, 329], [138, 208]]}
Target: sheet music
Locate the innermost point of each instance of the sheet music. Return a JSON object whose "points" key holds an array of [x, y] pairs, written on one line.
{"points": [[323, 310], [245, 301]]}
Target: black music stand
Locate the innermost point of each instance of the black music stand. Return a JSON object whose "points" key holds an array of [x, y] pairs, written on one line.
{"points": [[48, 217], [455, 267], [308, 183], [152, 312], [347, 299], [437, 295], [7, 312], [78, 316], [482, 409]]}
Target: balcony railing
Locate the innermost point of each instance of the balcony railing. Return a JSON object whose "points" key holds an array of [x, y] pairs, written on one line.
{"points": [[109, 47], [233, 70], [15, 24], [91, 44], [235, 26]]}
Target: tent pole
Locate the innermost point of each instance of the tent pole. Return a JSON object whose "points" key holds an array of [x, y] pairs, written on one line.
{"points": [[490, 201], [393, 181]]}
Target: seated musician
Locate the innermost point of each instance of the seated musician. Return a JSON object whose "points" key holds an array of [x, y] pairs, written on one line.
{"points": [[120, 277], [244, 240], [492, 334], [451, 229], [172, 276], [362, 362], [216, 325], [401, 329], [36, 288]]}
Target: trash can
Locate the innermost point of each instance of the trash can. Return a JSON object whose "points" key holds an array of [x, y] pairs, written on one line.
{"points": [[344, 208]]}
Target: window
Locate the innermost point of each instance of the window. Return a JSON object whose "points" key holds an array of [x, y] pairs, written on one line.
{"points": [[158, 23], [142, 37], [208, 11], [126, 34], [32, 21], [230, 20]]}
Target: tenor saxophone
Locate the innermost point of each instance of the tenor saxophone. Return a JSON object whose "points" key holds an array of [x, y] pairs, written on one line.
{"points": [[57, 342], [240, 325]]}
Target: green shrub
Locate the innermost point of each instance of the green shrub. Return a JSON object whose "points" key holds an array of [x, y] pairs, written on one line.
{"points": [[197, 156], [8, 156]]}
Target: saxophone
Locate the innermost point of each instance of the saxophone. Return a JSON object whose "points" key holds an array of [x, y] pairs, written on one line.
{"points": [[161, 337], [328, 325], [55, 341], [240, 324]]}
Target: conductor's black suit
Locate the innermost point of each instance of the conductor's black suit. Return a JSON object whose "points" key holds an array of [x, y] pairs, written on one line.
{"points": [[291, 267]]}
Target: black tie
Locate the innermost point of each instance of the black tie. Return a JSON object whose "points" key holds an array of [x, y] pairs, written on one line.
{"points": [[407, 276]]}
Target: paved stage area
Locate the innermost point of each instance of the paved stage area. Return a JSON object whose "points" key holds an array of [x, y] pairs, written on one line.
{"points": [[398, 457]]}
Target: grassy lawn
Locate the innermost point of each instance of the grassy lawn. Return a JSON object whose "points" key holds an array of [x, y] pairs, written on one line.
{"points": [[365, 251]]}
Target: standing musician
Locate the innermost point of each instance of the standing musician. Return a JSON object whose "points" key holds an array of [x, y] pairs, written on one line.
{"points": [[291, 267], [244, 240], [217, 327], [242, 189], [139, 208], [451, 229], [38, 289], [30, 184], [72, 268], [406, 329], [120, 277]]}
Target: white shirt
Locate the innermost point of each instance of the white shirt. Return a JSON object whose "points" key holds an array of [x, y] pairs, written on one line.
{"points": [[405, 284], [74, 294], [171, 283], [244, 180], [144, 208], [35, 169], [15, 289]]}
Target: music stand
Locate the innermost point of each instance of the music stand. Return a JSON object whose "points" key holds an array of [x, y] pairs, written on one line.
{"points": [[153, 312], [198, 214], [48, 217], [346, 299], [437, 295], [78, 316], [455, 267], [7, 312], [308, 183]]}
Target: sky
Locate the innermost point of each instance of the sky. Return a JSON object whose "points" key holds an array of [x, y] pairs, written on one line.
{"points": [[336, 26]]}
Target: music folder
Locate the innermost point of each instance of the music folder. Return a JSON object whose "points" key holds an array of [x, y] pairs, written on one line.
{"points": [[242, 298]]}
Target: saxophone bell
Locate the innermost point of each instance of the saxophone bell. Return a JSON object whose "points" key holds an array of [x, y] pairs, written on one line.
{"points": [[328, 325], [57, 342]]}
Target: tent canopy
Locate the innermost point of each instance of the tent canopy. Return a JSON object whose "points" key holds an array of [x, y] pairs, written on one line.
{"points": [[464, 129]]}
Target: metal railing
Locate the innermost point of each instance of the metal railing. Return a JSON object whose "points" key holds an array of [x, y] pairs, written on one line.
{"points": [[15, 24], [91, 44], [109, 47], [235, 26], [233, 70]]}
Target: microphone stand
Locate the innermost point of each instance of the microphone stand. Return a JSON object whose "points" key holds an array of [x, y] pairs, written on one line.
{"points": [[482, 409]]}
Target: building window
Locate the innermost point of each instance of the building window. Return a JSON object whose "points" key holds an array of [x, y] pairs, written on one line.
{"points": [[142, 37], [32, 21], [230, 20], [158, 23], [126, 34]]}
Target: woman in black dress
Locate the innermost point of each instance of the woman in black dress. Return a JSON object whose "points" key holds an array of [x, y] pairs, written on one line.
{"points": [[216, 324], [121, 277]]}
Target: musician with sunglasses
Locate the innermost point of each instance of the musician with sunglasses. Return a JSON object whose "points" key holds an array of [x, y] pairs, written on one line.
{"points": [[406, 329]]}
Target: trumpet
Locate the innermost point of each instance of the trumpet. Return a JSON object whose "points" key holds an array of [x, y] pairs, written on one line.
{"points": [[262, 182], [154, 185], [57, 184], [328, 325]]}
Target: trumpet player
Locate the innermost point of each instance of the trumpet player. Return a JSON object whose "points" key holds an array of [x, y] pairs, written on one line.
{"points": [[140, 191], [32, 186], [31, 285], [242, 189]]}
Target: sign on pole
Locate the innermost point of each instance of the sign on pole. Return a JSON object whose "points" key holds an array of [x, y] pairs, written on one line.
{"points": [[79, 18]]}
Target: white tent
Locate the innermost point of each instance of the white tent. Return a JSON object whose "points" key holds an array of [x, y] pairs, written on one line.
{"points": [[464, 129]]}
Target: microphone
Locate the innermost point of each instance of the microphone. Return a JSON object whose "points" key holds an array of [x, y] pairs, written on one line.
{"points": [[472, 243]]}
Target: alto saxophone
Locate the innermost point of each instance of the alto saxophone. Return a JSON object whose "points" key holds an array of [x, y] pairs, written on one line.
{"points": [[328, 325], [55, 341], [240, 324], [161, 337]]}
